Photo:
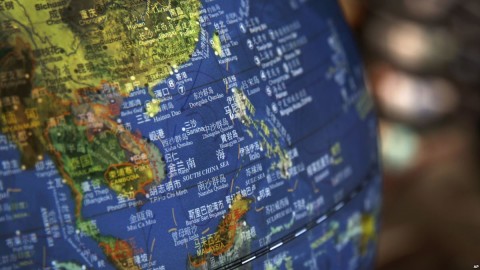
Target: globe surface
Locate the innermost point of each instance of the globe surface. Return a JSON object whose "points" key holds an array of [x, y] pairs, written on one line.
{"points": [[184, 134]]}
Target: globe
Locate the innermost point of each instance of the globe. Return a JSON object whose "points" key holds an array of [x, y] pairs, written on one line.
{"points": [[193, 134]]}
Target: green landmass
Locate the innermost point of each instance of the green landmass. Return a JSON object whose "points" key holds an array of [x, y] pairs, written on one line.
{"points": [[67, 266], [68, 67]]}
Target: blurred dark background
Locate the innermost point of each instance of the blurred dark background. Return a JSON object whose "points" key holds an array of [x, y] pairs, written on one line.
{"points": [[423, 68]]}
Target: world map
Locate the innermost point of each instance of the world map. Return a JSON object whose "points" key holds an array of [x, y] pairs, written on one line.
{"points": [[184, 134]]}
